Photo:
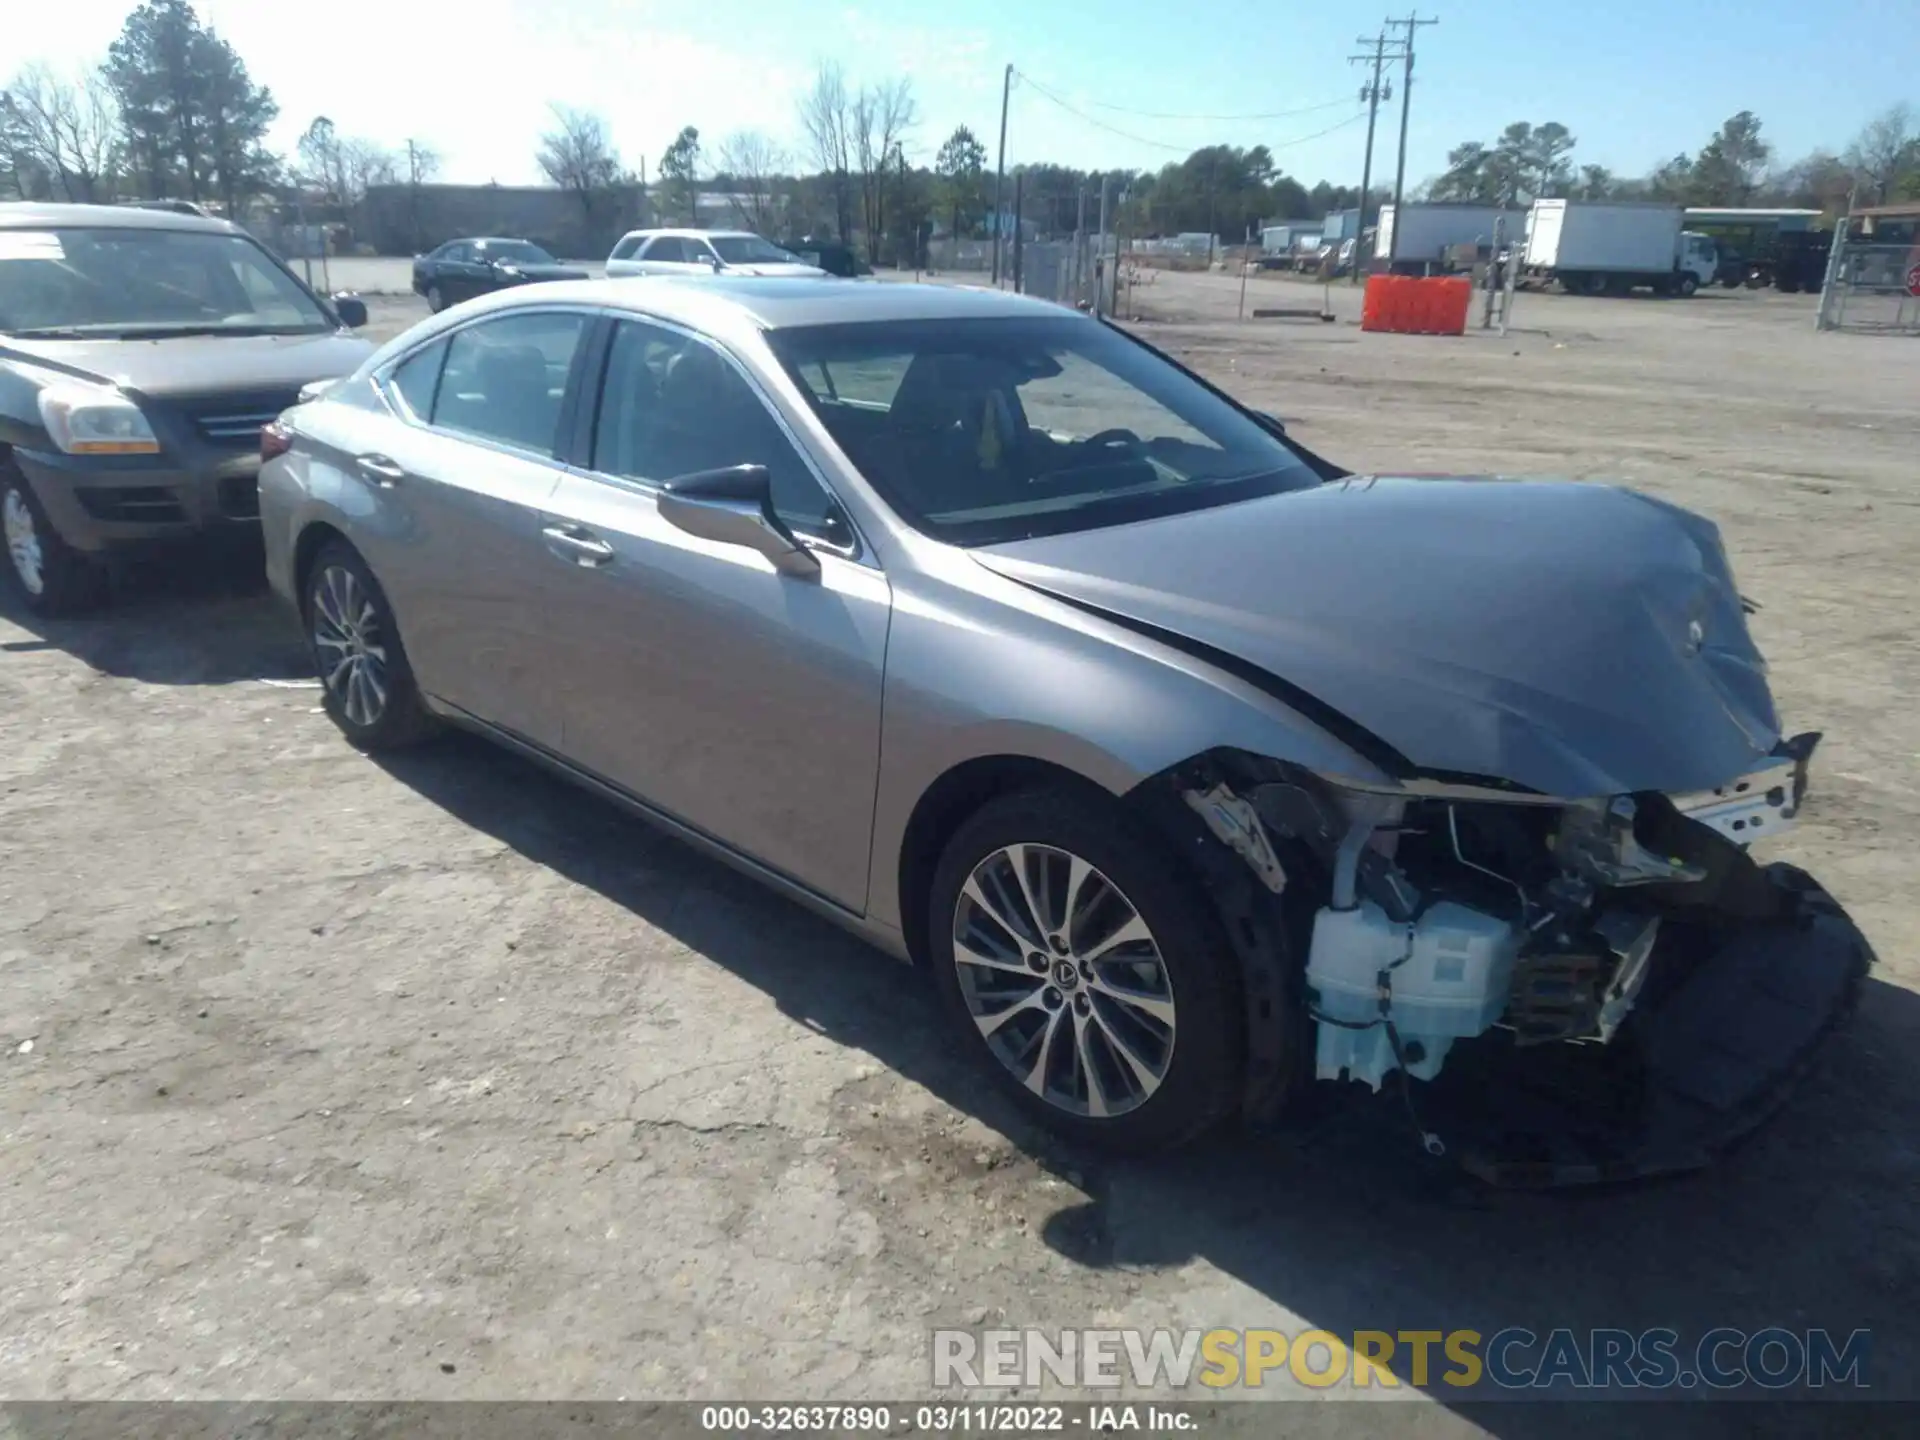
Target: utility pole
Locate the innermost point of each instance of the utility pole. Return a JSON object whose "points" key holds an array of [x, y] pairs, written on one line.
{"points": [[1373, 94], [1412, 23], [1000, 170]]}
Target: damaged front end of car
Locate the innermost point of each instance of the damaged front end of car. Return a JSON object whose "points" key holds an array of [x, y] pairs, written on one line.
{"points": [[1566, 991]]}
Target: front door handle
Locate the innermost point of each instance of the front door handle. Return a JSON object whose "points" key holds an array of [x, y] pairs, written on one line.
{"points": [[580, 546], [379, 469]]}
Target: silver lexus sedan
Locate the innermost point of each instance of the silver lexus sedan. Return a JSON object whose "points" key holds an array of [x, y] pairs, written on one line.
{"points": [[1199, 773]]}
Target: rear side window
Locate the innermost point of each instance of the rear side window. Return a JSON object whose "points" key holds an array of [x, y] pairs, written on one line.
{"points": [[504, 379], [624, 250], [416, 378]]}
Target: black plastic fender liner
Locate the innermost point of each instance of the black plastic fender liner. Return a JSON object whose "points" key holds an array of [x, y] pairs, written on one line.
{"points": [[1263, 928], [1711, 1061]]}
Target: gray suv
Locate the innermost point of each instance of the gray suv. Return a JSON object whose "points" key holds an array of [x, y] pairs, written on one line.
{"points": [[141, 352]]}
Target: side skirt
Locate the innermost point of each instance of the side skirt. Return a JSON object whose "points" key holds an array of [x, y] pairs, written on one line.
{"points": [[875, 933]]}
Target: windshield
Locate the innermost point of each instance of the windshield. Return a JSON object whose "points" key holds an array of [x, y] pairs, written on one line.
{"points": [[981, 431], [517, 252], [111, 281], [751, 250]]}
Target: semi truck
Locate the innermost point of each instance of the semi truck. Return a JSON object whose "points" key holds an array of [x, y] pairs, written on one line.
{"points": [[1417, 238], [1592, 248]]}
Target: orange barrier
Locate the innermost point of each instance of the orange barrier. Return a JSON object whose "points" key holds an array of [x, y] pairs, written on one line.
{"points": [[1413, 305]]}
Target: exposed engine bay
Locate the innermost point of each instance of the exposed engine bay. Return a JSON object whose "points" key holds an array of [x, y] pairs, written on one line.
{"points": [[1528, 928]]}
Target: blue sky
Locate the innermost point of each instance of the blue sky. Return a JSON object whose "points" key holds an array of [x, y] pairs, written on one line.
{"points": [[1635, 80]]}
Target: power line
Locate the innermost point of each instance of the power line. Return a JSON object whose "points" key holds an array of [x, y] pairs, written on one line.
{"points": [[1247, 115], [1162, 144]]}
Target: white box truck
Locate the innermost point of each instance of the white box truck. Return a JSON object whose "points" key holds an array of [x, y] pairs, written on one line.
{"points": [[1593, 248], [1415, 237]]}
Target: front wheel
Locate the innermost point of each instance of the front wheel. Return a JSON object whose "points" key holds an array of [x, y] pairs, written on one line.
{"points": [[436, 298], [1687, 284], [48, 575], [368, 684], [1087, 971]]}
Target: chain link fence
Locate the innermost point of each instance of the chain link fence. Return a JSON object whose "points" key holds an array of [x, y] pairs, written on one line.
{"points": [[1874, 289]]}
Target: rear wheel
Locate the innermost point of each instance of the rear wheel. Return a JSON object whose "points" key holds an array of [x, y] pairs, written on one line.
{"points": [[369, 688], [48, 575], [1087, 972], [1598, 284]]}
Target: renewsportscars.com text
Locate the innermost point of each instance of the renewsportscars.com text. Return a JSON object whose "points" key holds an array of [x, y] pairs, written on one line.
{"points": [[1510, 1359]]}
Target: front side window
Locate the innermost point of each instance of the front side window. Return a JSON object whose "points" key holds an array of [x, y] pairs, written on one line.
{"points": [[980, 431], [750, 250], [667, 247], [119, 283], [505, 378], [672, 405]]}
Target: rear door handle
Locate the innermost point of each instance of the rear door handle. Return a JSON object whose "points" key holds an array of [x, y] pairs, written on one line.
{"points": [[380, 470], [582, 547]]}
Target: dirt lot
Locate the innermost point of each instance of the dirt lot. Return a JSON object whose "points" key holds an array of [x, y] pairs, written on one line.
{"points": [[433, 1078]]}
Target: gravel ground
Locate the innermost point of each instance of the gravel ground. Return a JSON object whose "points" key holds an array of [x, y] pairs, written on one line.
{"points": [[432, 1078]]}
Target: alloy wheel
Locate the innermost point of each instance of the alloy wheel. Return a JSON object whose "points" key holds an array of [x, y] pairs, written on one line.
{"points": [[349, 645], [1064, 980], [23, 542]]}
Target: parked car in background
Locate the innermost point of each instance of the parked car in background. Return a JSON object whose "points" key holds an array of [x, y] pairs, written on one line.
{"points": [[1204, 769], [462, 269], [704, 252], [141, 350]]}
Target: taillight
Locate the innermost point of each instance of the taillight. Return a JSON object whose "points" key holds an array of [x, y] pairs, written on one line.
{"points": [[275, 439]]}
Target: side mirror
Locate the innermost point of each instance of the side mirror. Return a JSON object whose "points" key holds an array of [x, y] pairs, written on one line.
{"points": [[713, 264], [351, 309], [734, 506], [1273, 422]]}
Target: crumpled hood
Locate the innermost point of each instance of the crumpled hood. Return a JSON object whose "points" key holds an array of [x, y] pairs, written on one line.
{"points": [[1575, 639], [196, 364]]}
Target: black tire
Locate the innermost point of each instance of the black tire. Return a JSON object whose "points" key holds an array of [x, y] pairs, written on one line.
{"points": [[43, 572], [1598, 283], [1202, 1069], [399, 718], [1686, 286], [436, 298]]}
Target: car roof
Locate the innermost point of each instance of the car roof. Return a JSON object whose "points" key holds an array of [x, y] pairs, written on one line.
{"points": [[723, 302], [32, 215], [489, 240]]}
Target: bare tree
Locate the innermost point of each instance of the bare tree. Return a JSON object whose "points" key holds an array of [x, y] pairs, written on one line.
{"points": [[578, 155], [882, 115], [752, 165], [66, 132], [1883, 151], [826, 119]]}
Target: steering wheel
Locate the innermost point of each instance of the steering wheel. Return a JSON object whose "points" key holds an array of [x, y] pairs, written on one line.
{"points": [[1115, 436]]}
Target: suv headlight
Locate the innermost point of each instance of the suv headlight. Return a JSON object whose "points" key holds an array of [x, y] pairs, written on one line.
{"points": [[84, 420]]}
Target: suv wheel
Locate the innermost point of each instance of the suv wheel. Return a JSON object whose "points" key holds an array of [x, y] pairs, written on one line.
{"points": [[1082, 966], [369, 687], [50, 576]]}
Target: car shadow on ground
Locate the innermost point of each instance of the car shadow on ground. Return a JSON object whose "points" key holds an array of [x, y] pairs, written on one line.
{"points": [[1346, 1225], [210, 621]]}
